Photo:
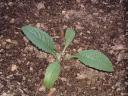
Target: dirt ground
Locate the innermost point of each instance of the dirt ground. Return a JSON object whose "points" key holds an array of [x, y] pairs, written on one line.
{"points": [[100, 24]]}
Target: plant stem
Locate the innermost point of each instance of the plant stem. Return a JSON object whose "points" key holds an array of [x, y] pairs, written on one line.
{"points": [[59, 55], [63, 51]]}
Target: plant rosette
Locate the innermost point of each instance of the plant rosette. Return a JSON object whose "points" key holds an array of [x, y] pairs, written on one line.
{"points": [[91, 58]]}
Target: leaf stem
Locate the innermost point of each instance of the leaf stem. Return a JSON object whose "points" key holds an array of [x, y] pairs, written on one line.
{"points": [[69, 57]]}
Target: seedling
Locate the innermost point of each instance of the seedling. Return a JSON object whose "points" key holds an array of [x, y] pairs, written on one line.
{"points": [[92, 58]]}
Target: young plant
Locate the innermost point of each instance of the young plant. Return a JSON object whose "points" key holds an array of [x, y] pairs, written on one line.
{"points": [[92, 58]]}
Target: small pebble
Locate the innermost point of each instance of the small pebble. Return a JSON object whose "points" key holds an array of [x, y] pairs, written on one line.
{"points": [[10, 3], [38, 25], [80, 49], [31, 69], [81, 76], [0, 73], [13, 67], [63, 79], [4, 94], [118, 89], [63, 12], [43, 26], [118, 47], [118, 84], [1, 86], [1, 50], [40, 6], [126, 83], [76, 41], [93, 88], [42, 88], [124, 94], [25, 39], [8, 46], [8, 40], [12, 21], [78, 1], [96, 14], [79, 27], [88, 31], [11, 41], [6, 17], [50, 59], [52, 91], [95, 1]]}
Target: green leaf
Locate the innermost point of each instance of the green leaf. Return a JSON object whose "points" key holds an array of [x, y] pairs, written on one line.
{"points": [[39, 38], [95, 59], [69, 36], [52, 74]]}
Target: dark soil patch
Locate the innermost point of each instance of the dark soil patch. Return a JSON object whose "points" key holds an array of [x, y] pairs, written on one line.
{"points": [[100, 24]]}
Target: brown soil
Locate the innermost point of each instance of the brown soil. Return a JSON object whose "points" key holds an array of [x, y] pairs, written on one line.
{"points": [[99, 25]]}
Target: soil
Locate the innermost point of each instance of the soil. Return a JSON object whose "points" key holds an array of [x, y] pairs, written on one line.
{"points": [[100, 25]]}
